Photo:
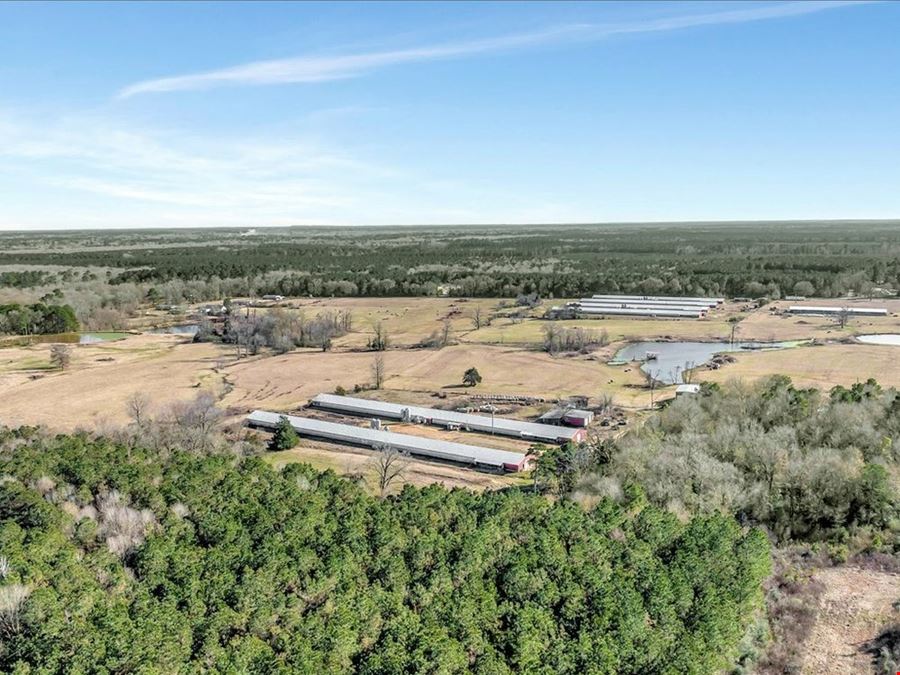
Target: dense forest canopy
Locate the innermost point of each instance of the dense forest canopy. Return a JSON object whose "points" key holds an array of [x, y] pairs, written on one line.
{"points": [[119, 559], [732, 259]]}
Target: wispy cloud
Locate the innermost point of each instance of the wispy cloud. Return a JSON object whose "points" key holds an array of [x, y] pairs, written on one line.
{"points": [[312, 69]]}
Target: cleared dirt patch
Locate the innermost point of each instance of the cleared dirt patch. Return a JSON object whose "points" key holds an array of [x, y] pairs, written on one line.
{"points": [[855, 605]]}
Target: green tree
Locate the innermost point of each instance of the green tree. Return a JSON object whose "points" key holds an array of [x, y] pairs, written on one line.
{"points": [[285, 437], [472, 377]]}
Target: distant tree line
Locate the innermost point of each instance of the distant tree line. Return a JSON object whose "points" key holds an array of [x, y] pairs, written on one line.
{"points": [[732, 260]]}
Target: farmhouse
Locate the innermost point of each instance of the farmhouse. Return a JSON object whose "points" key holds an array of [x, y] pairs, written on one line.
{"points": [[458, 453], [501, 426]]}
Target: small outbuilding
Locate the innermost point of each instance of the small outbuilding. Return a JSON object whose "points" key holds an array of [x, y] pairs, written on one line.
{"points": [[683, 389]]}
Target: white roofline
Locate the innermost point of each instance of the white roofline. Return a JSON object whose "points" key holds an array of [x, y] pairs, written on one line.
{"points": [[499, 425], [348, 433]]}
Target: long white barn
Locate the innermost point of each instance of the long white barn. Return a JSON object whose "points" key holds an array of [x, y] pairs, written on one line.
{"points": [[502, 426], [470, 455], [830, 311], [677, 299]]}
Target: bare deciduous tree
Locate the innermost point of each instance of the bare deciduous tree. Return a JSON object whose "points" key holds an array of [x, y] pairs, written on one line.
{"points": [[138, 405], [378, 371], [380, 340], [12, 599], [389, 466], [843, 317], [61, 356], [478, 319]]}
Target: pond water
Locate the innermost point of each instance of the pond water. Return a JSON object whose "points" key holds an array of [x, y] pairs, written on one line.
{"points": [[67, 338], [181, 329], [94, 338], [881, 339], [673, 358]]}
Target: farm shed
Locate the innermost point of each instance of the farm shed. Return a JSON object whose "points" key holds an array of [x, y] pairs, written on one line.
{"points": [[834, 311], [572, 416], [448, 418], [578, 418], [469, 455]]}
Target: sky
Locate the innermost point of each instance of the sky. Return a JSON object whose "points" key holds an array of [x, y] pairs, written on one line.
{"points": [[126, 115]]}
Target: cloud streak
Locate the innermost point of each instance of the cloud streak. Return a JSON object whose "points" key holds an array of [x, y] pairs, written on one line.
{"points": [[315, 69]]}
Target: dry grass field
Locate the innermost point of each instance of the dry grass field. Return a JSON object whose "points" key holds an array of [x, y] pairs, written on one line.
{"points": [[93, 391], [284, 381], [408, 321], [168, 368], [824, 366]]}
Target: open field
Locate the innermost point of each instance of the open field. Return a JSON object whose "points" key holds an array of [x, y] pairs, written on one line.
{"points": [[823, 367], [408, 321], [168, 368], [281, 382], [95, 388]]}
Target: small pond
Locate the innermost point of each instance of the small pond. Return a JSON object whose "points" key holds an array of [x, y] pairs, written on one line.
{"points": [[181, 329], [67, 338], [881, 339], [94, 338], [673, 358]]}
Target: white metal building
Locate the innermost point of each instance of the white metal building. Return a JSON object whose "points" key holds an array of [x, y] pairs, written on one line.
{"points": [[677, 299], [470, 455], [502, 426], [610, 310], [832, 311]]}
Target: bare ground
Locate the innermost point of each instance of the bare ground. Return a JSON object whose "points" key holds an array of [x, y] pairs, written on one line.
{"points": [[855, 605]]}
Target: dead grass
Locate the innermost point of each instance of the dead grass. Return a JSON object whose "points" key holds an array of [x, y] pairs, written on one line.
{"points": [[286, 381], [408, 321], [823, 367], [101, 378], [854, 606]]}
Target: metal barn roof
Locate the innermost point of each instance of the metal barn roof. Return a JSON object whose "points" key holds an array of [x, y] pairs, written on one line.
{"points": [[657, 303], [498, 425], [695, 313], [859, 311], [664, 298], [377, 438], [640, 305]]}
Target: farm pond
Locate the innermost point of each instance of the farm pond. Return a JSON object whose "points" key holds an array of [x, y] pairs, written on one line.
{"points": [[880, 339], [667, 361]]}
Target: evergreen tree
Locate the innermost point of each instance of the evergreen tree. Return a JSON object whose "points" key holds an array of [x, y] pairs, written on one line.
{"points": [[285, 437]]}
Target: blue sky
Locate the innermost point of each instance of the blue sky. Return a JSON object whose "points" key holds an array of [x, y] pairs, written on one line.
{"points": [[202, 114]]}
